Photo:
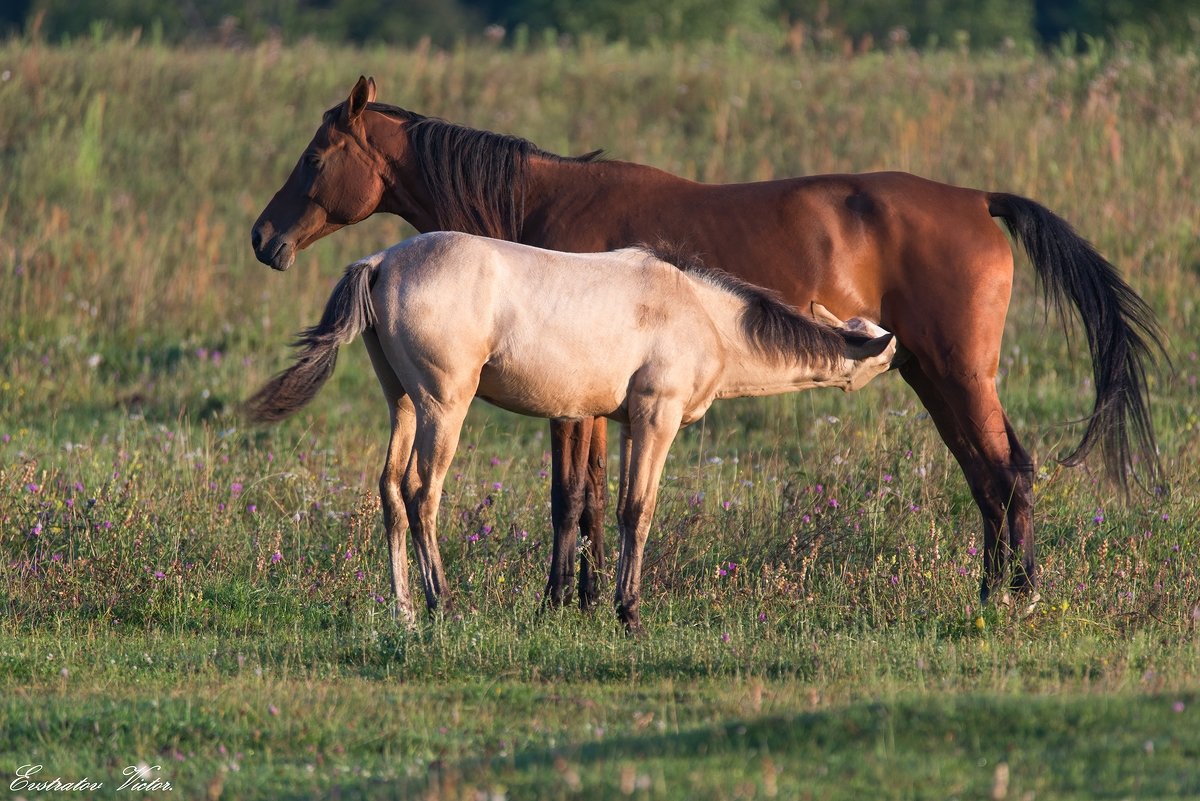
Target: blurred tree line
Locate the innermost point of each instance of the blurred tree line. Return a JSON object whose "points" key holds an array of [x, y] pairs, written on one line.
{"points": [[829, 24]]}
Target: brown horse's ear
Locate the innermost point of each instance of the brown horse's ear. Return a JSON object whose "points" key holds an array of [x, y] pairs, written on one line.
{"points": [[362, 94]]}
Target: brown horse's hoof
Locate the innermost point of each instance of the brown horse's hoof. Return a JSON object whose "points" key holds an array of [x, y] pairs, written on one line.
{"points": [[441, 605], [587, 602], [630, 617], [554, 598]]}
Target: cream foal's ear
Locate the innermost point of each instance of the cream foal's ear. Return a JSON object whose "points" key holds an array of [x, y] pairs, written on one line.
{"points": [[824, 315]]}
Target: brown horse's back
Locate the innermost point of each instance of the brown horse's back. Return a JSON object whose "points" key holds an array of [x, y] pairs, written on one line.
{"points": [[888, 246]]}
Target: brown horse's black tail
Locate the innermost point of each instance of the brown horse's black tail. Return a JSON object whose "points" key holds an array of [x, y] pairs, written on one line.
{"points": [[1122, 335], [347, 314]]}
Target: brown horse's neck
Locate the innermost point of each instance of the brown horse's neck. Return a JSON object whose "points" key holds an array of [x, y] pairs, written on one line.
{"points": [[562, 198], [405, 193]]}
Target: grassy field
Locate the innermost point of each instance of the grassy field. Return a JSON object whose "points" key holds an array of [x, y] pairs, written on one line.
{"points": [[181, 590]]}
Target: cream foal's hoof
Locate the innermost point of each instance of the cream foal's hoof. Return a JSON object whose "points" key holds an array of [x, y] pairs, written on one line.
{"points": [[1031, 603]]}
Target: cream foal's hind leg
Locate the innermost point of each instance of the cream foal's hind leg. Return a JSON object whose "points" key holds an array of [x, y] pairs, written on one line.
{"points": [[395, 518], [439, 425]]}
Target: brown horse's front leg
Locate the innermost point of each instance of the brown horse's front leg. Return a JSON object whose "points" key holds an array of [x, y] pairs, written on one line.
{"points": [[595, 501], [569, 442]]}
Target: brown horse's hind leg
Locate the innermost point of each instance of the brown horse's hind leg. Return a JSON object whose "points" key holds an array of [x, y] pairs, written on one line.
{"points": [[1020, 515], [999, 472], [591, 522], [569, 442]]}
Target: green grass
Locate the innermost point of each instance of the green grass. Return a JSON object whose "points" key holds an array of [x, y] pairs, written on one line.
{"points": [[179, 589]]}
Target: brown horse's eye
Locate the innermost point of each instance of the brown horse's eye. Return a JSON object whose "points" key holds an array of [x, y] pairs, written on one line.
{"points": [[312, 160]]}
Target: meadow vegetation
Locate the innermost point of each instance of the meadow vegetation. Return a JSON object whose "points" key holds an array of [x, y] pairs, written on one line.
{"points": [[180, 589]]}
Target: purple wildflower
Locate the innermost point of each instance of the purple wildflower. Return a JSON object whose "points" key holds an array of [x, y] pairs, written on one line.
{"points": [[276, 558]]}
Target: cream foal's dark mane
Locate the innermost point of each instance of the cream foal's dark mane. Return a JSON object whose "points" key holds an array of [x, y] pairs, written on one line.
{"points": [[777, 330]]}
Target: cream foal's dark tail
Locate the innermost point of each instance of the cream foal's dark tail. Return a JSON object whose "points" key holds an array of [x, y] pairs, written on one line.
{"points": [[347, 314]]}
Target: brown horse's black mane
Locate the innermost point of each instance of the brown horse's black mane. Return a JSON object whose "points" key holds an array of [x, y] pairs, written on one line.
{"points": [[476, 178], [775, 328]]}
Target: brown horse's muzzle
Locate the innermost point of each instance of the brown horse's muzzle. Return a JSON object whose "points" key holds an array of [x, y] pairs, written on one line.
{"points": [[277, 252]]}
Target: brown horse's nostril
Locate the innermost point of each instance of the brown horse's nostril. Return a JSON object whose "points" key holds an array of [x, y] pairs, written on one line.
{"points": [[255, 239]]}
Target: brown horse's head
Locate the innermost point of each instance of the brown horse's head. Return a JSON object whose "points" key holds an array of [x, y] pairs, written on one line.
{"points": [[338, 181]]}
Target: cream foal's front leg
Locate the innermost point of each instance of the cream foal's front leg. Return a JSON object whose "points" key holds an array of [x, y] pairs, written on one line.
{"points": [[645, 442]]}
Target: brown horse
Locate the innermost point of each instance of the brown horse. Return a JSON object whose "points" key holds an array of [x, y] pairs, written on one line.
{"points": [[923, 258]]}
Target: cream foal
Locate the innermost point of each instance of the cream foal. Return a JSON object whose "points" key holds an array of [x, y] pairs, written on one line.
{"points": [[447, 317]]}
